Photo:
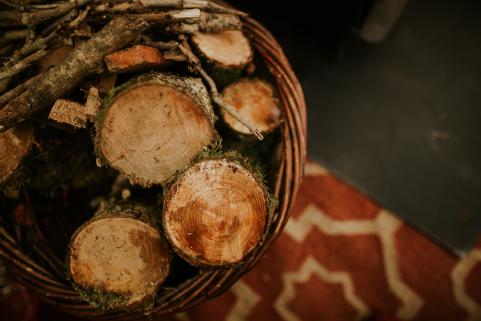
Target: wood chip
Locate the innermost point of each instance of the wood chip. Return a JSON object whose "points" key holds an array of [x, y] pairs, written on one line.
{"points": [[93, 104], [69, 112]]}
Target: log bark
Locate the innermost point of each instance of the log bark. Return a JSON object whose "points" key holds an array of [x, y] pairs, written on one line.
{"points": [[83, 61], [224, 54], [255, 100], [118, 259], [215, 213], [33, 18], [155, 126], [216, 22]]}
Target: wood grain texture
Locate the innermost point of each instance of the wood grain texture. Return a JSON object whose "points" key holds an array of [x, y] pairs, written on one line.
{"points": [[215, 213], [153, 128], [228, 49], [121, 256], [254, 99]]}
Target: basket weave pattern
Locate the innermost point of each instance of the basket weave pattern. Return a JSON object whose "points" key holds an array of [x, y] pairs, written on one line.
{"points": [[208, 284]]}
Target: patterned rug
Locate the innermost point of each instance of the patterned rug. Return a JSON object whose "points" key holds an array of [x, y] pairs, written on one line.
{"points": [[342, 257]]}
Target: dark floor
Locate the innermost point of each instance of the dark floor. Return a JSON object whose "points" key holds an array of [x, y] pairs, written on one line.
{"points": [[399, 120]]}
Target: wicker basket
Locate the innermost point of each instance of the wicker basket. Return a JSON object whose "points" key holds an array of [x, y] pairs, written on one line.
{"points": [[58, 292]]}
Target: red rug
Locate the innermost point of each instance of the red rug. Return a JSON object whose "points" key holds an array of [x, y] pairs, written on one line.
{"points": [[342, 257]]}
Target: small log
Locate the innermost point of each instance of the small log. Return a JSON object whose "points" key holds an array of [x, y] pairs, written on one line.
{"points": [[215, 213], [69, 112], [118, 259], [136, 58], [15, 145], [254, 99], [155, 126], [225, 54]]}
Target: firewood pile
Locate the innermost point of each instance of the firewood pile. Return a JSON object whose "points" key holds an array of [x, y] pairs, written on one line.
{"points": [[139, 141]]}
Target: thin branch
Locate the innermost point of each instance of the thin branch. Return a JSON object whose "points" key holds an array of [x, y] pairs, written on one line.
{"points": [[33, 18], [161, 17], [13, 35], [216, 97], [216, 8], [22, 65], [11, 94], [80, 18], [48, 34], [181, 28], [45, 6], [82, 62]]}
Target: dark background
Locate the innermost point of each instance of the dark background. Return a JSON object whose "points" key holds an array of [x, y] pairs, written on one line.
{"points": [[398, 120]]}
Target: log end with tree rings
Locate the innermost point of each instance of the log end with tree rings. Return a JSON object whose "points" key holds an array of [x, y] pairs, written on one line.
{"points": [[155, 126], [255, 100], [15, 145], [118, 261], [215, 213], [224, 53]]}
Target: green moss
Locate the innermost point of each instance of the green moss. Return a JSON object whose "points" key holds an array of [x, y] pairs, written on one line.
{"points": [[101, 299]]}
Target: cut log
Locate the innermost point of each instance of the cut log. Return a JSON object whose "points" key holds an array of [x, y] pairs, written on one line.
{"points": [[117, 260], [225, 54], [136, 58], [215, 213], [69, 112], [15, 145], [254, 99], [155, 126]]}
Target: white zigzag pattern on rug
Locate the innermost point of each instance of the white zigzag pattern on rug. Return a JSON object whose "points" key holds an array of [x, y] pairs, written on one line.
{"points": [[459, 274], [384, 226], [313, 267]]}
